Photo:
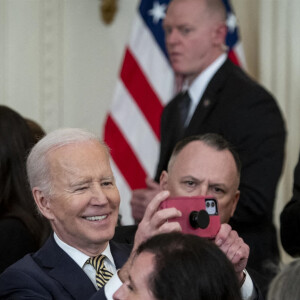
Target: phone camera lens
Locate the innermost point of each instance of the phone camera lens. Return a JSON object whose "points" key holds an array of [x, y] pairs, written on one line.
{"points": [[199, 219]]}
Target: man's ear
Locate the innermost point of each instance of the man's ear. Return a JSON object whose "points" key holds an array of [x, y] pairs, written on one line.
{"points": [[219, 34], [42, 202], [163, 181], [235, 201]]}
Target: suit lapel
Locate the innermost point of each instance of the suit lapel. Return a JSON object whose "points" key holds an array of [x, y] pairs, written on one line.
{"points": [[73, 279], [210, 98], [63, 269], [120, 253]]}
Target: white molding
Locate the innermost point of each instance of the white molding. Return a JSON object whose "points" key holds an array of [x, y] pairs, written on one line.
{"points": [[51, 63], [3, 60], [279, 66]]}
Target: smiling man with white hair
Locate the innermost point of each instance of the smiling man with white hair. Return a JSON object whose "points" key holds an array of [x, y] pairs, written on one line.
{"points": [[74, 188]]}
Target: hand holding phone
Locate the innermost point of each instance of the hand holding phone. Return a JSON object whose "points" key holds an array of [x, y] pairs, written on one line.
{"points": [[199, 215]]}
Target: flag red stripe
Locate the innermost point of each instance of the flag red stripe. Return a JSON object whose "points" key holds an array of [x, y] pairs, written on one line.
{"points": [[232, 56], [141, 91], [123, 155]]}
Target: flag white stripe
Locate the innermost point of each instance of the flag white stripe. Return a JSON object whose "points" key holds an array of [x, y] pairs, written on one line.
{"points": [[128, 117], [145, 50], [125, 194], [239, 52]]}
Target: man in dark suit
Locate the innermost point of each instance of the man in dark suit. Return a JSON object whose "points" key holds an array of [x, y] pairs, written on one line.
{"points": [[207, 165], [223, 100], [74, 188]]}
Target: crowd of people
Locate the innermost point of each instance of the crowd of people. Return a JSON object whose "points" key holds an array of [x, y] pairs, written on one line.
{"points": [[60, 238]]}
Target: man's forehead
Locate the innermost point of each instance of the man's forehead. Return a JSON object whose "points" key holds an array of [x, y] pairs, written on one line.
{"points": [[198, 153], [144, 259], [74, 155], [201, 163], [77, 147], [195, 150], [195, 6]]}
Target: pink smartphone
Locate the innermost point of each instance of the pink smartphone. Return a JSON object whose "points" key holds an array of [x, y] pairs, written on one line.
{"points": [[199, 215]]}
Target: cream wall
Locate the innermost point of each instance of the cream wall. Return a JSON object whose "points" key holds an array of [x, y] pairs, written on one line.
{"points": [[270, 31], [59, 62], [246, 11]]}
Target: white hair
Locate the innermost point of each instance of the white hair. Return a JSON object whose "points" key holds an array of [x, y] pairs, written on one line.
{"points": [[38, 167]]}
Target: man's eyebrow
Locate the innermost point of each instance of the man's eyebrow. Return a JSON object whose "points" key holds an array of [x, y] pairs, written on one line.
{"points": [[216, 184], [183, 25], [111, 177], [190, 177], [211, 184], [80, 182], [132, 282]]}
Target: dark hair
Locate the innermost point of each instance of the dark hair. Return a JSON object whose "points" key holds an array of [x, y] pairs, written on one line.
{"points": [[189, 267], [212, 140], [36, 129], [16, 199]]}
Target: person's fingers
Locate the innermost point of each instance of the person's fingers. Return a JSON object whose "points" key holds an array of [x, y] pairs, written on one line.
{"points": [[164, 215], [223, 234], [154, 204]]}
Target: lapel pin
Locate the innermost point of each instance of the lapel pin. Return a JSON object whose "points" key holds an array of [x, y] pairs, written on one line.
{"points": [[206, 102]]}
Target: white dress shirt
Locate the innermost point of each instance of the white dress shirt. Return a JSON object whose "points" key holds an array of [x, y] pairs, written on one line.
{"points": [[80, 258], [199, 84]]}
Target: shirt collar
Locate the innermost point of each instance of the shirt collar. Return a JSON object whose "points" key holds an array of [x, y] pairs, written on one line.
{"points": [[200, 83], [79, 257]]}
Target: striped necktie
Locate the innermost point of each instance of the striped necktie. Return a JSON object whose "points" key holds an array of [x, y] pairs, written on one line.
{"points": [[102, 274]]}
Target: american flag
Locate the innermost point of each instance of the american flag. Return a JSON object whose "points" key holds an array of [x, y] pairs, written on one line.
{"points": [[145, 84]]}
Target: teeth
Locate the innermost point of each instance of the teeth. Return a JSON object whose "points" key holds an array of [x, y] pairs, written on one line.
{"points": [[96, 218]]}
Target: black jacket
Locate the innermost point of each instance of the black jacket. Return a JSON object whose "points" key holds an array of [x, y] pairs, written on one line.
{"points": [[246, 115]]}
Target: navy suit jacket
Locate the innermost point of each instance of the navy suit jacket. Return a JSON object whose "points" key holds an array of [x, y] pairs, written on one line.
{"points": [[245, 114], [50, 273]]}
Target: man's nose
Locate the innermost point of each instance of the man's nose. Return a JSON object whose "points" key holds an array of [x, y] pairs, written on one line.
{"points": [[121, 293], [172, 37], [98, 195], [203, 190]]}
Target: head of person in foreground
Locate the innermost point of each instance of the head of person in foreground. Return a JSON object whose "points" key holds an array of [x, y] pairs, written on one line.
{"points": [[176, 266]]}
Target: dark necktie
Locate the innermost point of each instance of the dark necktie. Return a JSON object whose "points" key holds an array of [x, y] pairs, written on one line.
{"points": [[102, 274], [184, 106]]}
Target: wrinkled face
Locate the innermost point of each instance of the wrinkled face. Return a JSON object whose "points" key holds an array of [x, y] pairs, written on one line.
{"points": [[192, 36], [199, 170], [84, 202], [137, 287]]}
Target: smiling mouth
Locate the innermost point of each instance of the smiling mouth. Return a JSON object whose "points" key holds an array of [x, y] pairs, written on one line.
{"points": [[175, 54], [96, 218]]}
